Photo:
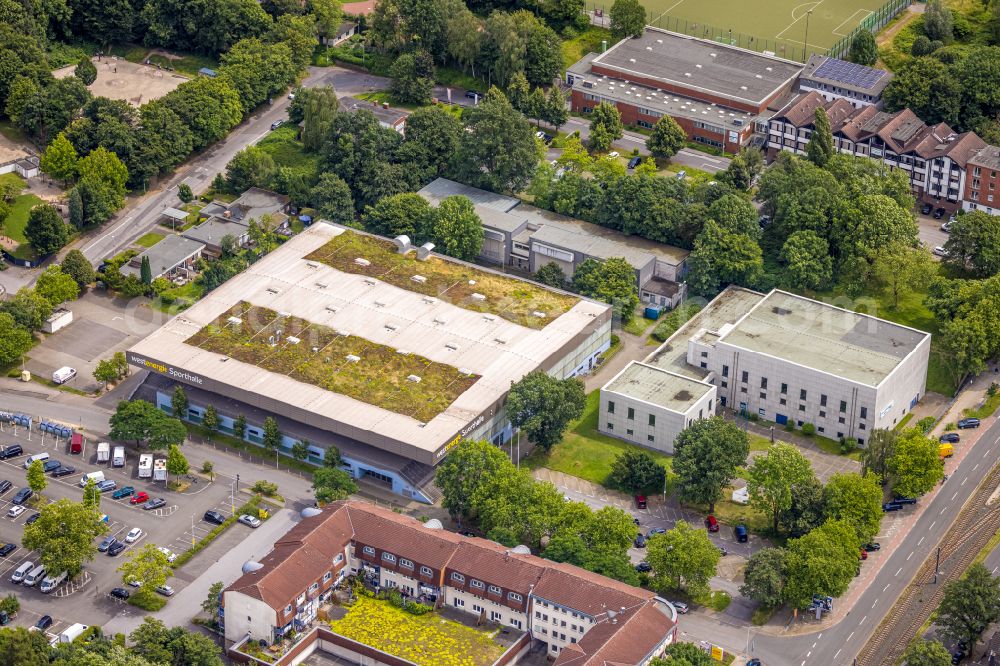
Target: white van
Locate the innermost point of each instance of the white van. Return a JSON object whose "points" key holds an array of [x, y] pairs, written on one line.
{"points": [[52, 582], [38, 456], [118, 459], [96, 476], [21, 572], [35, 576], [63, 374]]}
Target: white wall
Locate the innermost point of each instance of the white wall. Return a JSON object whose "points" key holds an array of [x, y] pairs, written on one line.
{"points": [[246, 614]]}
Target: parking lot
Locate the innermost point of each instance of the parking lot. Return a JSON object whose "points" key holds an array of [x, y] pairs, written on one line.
{"points": [[176, 525]]}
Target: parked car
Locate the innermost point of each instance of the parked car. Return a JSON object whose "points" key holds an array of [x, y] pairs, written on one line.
{"points": [[5, 485], [117, 549], [950, 437], [32, 518], [4, 618], [905, 500], [63, 470], [655, 530], [124, 491], [946, 227], [634, 162], [681, 175], [926, 208], [742, 536], [44, 622], [22, 495], [165, 590], [166, 551], [939, 213], [939, 251], [546, 138], [863, 555], [7, 549], [711, 524], [15, 511], [614, 154], [139, 497], [754, 662], [11, 451], [471, 94], [640, 541], [958, 655], [968, 423], [120, 593], [872, 547], [133, 535], [154, 504], [251, 521], [681, 607], [276, 124], [51, 466], [640, 501], [891, 506], [106, 543], [106, 485], [213, 516], [643, 567]]}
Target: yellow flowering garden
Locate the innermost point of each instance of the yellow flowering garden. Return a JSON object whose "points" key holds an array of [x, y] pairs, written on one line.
{"points": [[428, 640]]}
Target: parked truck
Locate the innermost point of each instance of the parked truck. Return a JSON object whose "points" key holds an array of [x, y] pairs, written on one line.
{"points": [[103, 452], [72, 633], [118, 459], [160, 470], [145, 465]]}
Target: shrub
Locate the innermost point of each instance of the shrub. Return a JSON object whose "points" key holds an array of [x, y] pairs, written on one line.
{"points": [[926, 424], [147, 601], [790, 426], [250, 508], [848, 445], [10, 604], [808, 429], [395, 597], [265, 488]]}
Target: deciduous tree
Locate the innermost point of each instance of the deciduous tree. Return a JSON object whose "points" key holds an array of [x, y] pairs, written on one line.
{"points": [[970, 604], [211, 419], [771, 476], [682, 559], [148, 566], [612, 281], [78, 267], [543, 406], [707, 455], [820, 148], [45, 229], [667, 138], [636, 472], [808, 264], [456, 228], [177, 464], [497, 151], [605, 125], [628, 19], [864, 51], [412, 78], [331, 197], [722, 257], [55, 286], [552, 275], [914, 466], [464, 471], [251, 167], [59, 159], [856, 500], [974, 244], [927, 653], [64, 535], [36, 477], [179, 402], [764, 577], [821, 562], [332, 484], [272, 434], [406, 214], [900, 270]]}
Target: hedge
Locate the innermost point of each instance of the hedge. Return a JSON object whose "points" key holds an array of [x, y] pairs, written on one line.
{"points": [[205, 541]]}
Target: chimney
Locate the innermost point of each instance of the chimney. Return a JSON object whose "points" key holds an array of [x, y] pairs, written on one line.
{"points": [[227, 214], [385, 105]]}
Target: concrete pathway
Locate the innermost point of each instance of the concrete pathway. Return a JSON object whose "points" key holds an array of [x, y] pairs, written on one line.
{"points": [[633, 348]]}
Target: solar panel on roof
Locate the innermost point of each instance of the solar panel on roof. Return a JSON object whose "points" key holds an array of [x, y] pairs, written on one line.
{"points": [[849, 73]]}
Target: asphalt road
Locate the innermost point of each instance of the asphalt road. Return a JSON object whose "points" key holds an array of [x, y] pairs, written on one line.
{"points": [[839, 644]]}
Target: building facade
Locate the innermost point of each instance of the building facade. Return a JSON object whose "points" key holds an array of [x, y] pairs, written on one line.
{"points": [[838, 79]]}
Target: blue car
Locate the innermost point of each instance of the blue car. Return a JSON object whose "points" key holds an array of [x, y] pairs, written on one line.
{"points": [[741, 533]]}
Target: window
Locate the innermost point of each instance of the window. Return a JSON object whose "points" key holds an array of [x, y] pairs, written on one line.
{"points": [[611, 426], [314, 587], [822, 414], [703, 365], [822, 429], [745, 377], [822, 400], [743, 389], [495, 590], [763, 395], [327, 576], [763, 382], [338, 558], [861, 426], [843, 406], [725, 384], [784, 389], [403, 562], [426, 571], [514, 596], [388, 557], [515, 623], [478, 584], [802, 394], [840, 420], [457, 577], [611, 407], [628, 431], [783, 401], [495, 616], [369, 550], [864, 412], [476, 608], [458, 602], [725, 371], [631, 413], [802, 408], [704, 354], [288, 609], [652, 419], [650, 438]]}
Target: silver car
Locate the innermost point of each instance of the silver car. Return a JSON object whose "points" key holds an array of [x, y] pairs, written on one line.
{"points": [[681, 607], [247, 519]]}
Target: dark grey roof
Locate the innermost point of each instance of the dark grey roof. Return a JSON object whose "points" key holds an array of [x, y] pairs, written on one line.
{"points": [[212, 231], [988, 157], [165, 255], [698, 64], [849, 75]]}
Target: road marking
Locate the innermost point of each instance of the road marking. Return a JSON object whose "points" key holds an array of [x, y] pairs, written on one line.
{"points": [[886, 587], [986, 453], [954, 496], [909, 556], [921, 541], [820, 635], [932, 525], [814, 645], [993, 573], [835, 655], [849, 637], [976, 467], [110, 233], [943, 508], [862, 620], [963, 481], [897, 571], [876, 601]]}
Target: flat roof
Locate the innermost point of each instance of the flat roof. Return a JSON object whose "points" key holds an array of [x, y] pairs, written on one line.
{"points": [[174, 214], [442, 188], [165, 255], [499, 351], [726, 308], [651, 384], [823, 337], [726, 71], [214, 229]]}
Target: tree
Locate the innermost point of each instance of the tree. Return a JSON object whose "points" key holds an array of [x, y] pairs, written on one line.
{"points": [[240, 426], [105, 372], [86, 71], [148, 566], [272, 435], [412, 78], [720, 256], [179, 402], [914, 466], [928, 87], [764, 577], [808, 508], [556, 113], [635, 472], [611, 281], [667, 138], [808, 264], [820, 148], [552, 275], [974, 244], [707, 455], [64, 535], [927, 653], [36, 477], [91, 494], [938, 22], [213, 602], [184, 193], [543, 406], [970, 604], [683, 654], [771, 476], [605, 125], [45, 229], [864, 50], [59, 159], [55, 286], [145, 272], [131, 420], [20, 647], [332, 198], [821, 562], [209, 107], [101, 185], [153, 641], [743, 169], [177, 464], [407, 214], [331, 485], [628, 19], [856, 500], [78, 267], [456, 228], [251, 167], [164, 431], [901, 270], [211, 419], [331, 457], [437, 132], [300, 450], [28, 309], [497, 149], [682, 559], [467, 468], [75, 204]]}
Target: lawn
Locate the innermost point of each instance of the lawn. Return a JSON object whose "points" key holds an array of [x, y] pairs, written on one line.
{"points": [[638, 325], [459, 284], [345, 364], [286, 150], [150, 239], [587, 453], [588, 41], [17, 219], [176, 299], [429, 640], [185, 63]]}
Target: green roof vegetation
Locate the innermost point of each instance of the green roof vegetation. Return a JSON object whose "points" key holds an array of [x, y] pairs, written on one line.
{"points": [[459, 284], [345, 364]]}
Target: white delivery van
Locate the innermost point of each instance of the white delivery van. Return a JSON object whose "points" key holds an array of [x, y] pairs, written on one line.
{"points": [[35, 576], [52, 582], [21, 572], [72, 633], [63, 374], [96, 476], [118, 457], [38, 456], [103, 452]]}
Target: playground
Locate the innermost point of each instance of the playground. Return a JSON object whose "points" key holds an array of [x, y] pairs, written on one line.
{"points": [[136, 83]]}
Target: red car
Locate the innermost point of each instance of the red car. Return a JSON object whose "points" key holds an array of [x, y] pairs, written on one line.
{"points": [[640, 501], [864, 554], [139, 498], [712, 524]]}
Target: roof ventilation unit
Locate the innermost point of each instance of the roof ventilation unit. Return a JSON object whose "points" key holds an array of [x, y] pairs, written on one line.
{"points": [[440, 320], [451, 346], [272, 290], [430, 300], [292, 340], [539, 314], [332, 308], [501, 341], [402, 243], [420, 279], [250, 566], [403, 352], [343, 333], [310, 511], [391, 327], [322, 285], [413, 378], [478, 297], [489, 317], [465, 371], [424, 251], [361, 261], [434, 524], [351, 358], [378, 304], [235, 321], [371, 281]]}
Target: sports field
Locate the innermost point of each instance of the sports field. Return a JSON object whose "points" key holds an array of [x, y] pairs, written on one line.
{"points": [[779, 26]]}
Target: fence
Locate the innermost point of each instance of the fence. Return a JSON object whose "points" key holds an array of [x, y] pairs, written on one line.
{"points": [[873, 23]]}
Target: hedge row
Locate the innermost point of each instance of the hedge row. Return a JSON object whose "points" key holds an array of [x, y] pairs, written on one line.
{"points": [[250, 507]]}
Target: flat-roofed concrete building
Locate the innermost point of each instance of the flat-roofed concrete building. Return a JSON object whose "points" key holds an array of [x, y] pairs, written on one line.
{"points": [[351, 340], [782, 358]]}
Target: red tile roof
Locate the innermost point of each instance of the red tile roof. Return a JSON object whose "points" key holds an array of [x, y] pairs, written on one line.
{"points": [[626, 640]]}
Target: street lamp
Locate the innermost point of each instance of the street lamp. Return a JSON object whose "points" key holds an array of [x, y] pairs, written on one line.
{"points": [[806, 45]]}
